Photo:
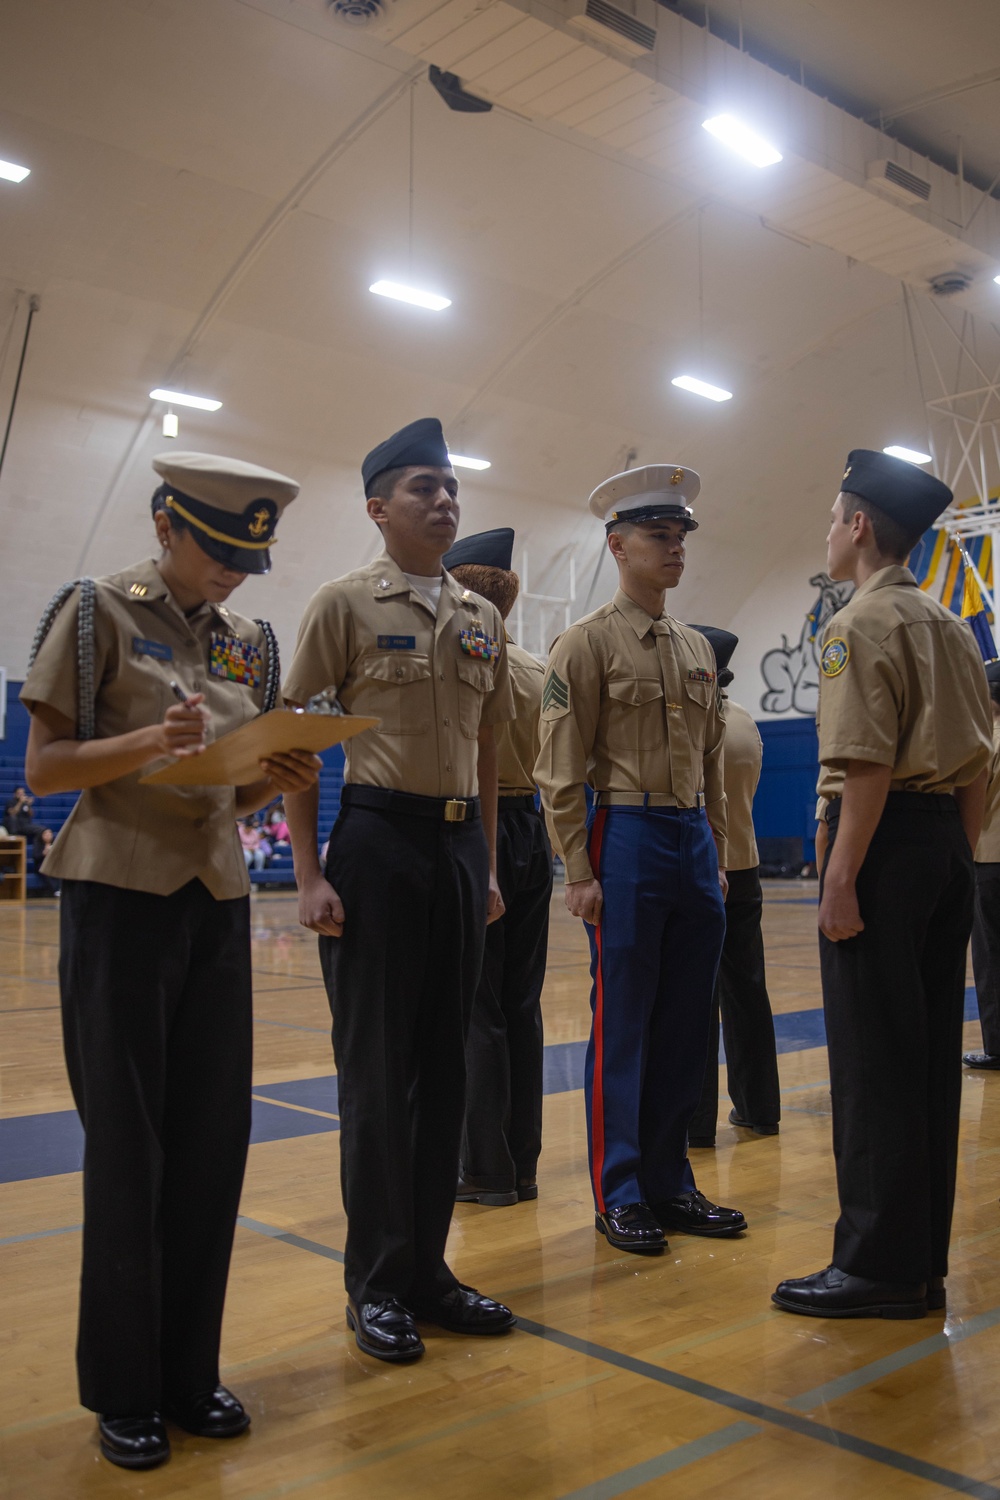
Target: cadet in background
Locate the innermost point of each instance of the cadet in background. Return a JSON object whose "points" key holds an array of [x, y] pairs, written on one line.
{"points": [[986, 917], [504, 1050]]}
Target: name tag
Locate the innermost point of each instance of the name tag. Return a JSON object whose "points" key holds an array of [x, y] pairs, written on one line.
{"points": [[397, 643], [152, 648], [235, 660]]}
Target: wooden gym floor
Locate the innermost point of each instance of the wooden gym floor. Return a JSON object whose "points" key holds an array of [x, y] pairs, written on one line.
{"points": [[672, 1377]]}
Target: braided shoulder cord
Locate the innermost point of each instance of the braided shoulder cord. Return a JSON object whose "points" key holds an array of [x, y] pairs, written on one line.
{"points": [[84, 647], [273, 666]]}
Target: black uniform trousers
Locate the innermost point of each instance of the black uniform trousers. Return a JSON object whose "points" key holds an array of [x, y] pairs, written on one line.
{"points": [[401, 982], [157, 1028], [893, 999], [504, 1050], [986, 953], [747, 1024]]}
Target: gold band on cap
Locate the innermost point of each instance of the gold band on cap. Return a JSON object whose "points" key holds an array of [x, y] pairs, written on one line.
{"points": [[218, 536]]}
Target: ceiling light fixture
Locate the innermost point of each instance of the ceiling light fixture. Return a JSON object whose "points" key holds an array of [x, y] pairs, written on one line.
{"points": [[181, 398], [12, 172], [738, 137], [997, 280], [910, 454], [458, 461], [412, 294], [170, 424], [702, 388]]}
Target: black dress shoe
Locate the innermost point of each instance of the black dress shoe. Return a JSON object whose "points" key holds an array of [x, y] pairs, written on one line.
{"points": [[734, 1119], [527, 1188], [835, 1294], [134, 1442], [937, 1297], [214, 1414], [466, 1193], [633, 1227], [981, 1059], [692, 1213], [385, 1330], [464, 1310], [701, 1141]]}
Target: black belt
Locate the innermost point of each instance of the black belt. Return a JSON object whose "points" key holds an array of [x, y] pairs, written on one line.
{"points": [[521, 802], [942, 803], [442, 809]]}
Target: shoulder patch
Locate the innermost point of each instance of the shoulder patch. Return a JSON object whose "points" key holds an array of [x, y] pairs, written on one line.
{"points": [[836, 655], [555, 695]]}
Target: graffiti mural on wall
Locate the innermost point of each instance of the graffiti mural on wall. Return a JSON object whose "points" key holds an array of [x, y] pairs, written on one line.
{"points": [[791, 672]]}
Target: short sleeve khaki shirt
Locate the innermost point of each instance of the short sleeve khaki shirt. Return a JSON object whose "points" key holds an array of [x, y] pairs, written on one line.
{"points": [[629, 705], [902, 685], [150, 838], [517, 742], [374, 640], [988, 848], [741, 763]]}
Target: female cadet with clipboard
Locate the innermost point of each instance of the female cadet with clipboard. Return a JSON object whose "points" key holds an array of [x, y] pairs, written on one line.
{"points": [[154, 963]]}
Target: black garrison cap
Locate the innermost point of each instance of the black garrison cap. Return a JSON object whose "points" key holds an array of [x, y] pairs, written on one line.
{"points": [[993, 673], [487, 549], [421, 442], [723, 643], [912, 498]]}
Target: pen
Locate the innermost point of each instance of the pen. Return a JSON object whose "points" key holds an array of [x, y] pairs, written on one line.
{"points": [[178, 692]]}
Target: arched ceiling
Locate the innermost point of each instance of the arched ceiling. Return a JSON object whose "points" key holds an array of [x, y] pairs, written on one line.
{"points": [[214, 185]]}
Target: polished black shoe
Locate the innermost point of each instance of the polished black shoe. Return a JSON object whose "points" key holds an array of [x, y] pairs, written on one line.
{"points": [[527, 1188], [134, 1442], [385, 1330], [214, 1414], [692, 1213], [981, 1060], [464, 1310], [634, 1227], [835, 1294], [937, 1297], [701, 1142], [734, 1119], [466, 1193]]}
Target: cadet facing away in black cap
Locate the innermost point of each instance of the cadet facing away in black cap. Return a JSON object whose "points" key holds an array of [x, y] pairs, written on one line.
{"points": [[154, 961], [503, 1110], [904, 743], [409, 886]]}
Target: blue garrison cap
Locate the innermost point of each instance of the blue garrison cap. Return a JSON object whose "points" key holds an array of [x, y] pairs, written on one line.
{"points": [[723, 643], [421, 442], [487, 549], [910, 496]]}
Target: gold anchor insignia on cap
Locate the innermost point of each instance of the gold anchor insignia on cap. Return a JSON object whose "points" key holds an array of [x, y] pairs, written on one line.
{"points": [[259, 524], [138, 589], [677, 477], [846, 472]]}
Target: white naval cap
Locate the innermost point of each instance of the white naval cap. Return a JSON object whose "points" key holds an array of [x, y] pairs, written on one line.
{"points": [[656, 492]]}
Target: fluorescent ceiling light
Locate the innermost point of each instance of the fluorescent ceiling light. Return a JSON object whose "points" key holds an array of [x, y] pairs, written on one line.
{"points": [[739, 138], [910, 454], [460, 462], [702, 388], [997, 280], [12, 172], [411, 294], [181, 398]]}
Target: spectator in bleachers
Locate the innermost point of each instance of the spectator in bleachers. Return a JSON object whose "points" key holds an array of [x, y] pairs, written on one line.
{"points": [[277, 828], [256, 849], [40, 847], [19, 817]]}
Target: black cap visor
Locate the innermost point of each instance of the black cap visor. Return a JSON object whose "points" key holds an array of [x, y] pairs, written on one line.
{"points": [[653, 513], [239, 559]]}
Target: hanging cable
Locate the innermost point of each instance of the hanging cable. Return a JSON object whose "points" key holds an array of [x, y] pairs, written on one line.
{"points": [[34, 303]]}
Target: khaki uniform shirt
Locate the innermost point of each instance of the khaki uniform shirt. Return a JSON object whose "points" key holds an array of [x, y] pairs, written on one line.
{"points": [[148, 838], [741, 765], [902, 685], [988, 848], [629, 705], [375, 641], [517, 742]]}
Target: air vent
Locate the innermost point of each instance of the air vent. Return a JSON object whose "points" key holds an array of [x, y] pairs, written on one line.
{"points": [[947, 283], [598, 18], [358, 12], [895, 179]]}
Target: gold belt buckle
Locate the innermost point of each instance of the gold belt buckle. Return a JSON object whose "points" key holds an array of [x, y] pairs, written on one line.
{"points": [[454, 811]]}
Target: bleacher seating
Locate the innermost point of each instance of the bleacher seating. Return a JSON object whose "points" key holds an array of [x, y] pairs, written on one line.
{"points": [[53, 812]]}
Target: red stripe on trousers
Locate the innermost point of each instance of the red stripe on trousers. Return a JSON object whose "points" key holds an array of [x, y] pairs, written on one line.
{"points": [[597, 1092]]}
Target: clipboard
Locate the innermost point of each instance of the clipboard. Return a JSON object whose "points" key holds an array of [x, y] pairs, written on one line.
{"points": [[234, 760]]}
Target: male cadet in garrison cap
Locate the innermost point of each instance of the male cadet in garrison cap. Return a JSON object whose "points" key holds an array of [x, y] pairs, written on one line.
{"points": [[409, 886], [986, 922], [629, 707], [503, 1054], [741, 992], [904, 745]]}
